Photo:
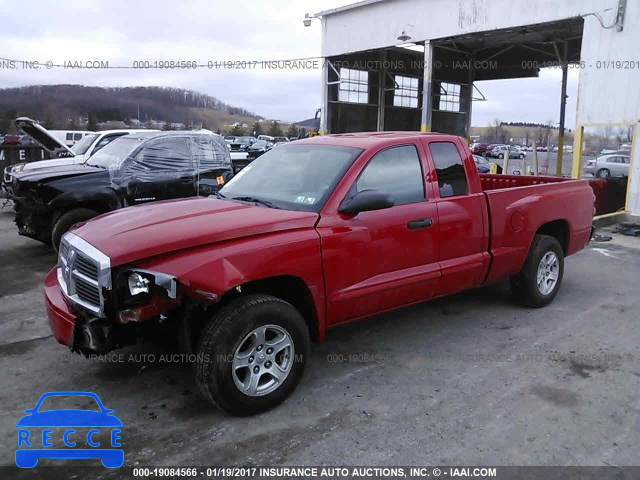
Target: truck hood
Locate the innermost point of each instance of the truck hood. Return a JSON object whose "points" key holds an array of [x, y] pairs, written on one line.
{"points": [[55, 173], [54, 162], [40, 134], [141, 232]]}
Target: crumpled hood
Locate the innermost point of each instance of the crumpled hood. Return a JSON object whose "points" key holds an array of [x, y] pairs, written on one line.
{"points": [[55, 173], [144, 231]]}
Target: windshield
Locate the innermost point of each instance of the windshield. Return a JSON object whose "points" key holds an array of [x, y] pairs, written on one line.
{"points": [[293, 177], [115, 152], [81, 147]]}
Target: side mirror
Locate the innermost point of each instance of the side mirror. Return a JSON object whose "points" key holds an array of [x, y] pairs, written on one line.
{"points": [[366, 201]]}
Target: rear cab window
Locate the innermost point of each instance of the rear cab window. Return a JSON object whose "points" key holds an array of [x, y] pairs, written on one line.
{"points": [[452, 179]]}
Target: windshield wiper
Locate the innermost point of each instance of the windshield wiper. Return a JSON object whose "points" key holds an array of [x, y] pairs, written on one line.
{"points": [[219, 195], [266, 203]]}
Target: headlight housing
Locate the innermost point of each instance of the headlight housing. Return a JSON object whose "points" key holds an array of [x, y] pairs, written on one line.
{"points": [[18, 167], [138, 285]]}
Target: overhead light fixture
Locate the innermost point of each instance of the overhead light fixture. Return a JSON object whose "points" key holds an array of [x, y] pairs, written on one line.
{"points": [[307, 20], [403, 37]]}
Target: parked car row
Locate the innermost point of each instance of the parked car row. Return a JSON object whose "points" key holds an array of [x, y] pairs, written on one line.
{"points": [[492, 150], [497, 150], [12, 139]]}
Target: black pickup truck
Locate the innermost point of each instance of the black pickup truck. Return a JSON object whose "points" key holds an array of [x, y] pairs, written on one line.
{"points": [[133, 169]]}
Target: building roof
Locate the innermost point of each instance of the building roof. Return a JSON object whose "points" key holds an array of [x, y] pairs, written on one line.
{"points": [[351, 6]]}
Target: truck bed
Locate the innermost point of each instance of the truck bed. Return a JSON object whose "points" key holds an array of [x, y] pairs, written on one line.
{"points": [[518, 205], [498, 182]]}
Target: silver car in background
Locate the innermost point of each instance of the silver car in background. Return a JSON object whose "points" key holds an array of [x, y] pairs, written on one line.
{"points": [[612, 165]]}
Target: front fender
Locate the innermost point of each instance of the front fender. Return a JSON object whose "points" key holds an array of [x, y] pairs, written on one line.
{"points": [[218, 268], [104, 197]]}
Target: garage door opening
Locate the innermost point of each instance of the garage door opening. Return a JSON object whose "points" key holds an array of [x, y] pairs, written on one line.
{"points": [[603, 156]]}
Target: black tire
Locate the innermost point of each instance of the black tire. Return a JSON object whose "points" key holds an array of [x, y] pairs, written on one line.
{"points": [[223, 335], [603, 173], [500, 156], [524, 285], [521, 156], [68, 220]]}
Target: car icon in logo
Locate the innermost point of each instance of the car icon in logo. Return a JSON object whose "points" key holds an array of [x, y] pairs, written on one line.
{"points": [[36, 436]]}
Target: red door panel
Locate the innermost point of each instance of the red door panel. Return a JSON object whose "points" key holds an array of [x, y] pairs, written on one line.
{"points": [[374, 262]]}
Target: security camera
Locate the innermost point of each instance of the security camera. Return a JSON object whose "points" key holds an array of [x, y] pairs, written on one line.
{"points": [[307, 20]]}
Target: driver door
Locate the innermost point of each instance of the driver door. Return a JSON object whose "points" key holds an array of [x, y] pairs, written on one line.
{"points": [[382, 259]]}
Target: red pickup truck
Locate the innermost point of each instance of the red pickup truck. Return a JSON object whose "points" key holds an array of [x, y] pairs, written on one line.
{"points": [[311, 235]]}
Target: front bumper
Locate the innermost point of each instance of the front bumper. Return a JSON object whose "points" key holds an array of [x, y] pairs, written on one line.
{"points": [[32, 218], [62, 319], [84, 334]]}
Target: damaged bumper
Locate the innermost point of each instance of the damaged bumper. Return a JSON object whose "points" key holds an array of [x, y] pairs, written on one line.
{"points": [[81, 334], [33, 219], [61, 318]]}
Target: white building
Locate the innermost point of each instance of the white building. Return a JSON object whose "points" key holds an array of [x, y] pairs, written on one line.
{"points": [[374, 79]]}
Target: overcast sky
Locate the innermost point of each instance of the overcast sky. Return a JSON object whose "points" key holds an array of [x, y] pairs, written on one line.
{"points": [[122, 32]]}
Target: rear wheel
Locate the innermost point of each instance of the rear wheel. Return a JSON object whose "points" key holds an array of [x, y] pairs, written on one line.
{"points": [[252, 354], [537, 284], [521, 156], [500, 156], [603, 173], [67, 221]]}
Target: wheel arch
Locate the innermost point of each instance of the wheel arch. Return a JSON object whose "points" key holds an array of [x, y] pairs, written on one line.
{"points": [[290, 288], [558, 229], [100, 204]]}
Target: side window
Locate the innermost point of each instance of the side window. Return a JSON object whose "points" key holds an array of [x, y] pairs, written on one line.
{"points": [[395, 171], [69, 137], [77, 136], [104, 141], [169, 154], [452, 180], [210, 152]]}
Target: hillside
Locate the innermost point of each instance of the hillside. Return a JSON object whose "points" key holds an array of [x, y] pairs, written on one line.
{"points": [[56, 104]]}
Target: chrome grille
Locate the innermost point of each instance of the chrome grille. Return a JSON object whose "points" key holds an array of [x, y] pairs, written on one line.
{"points": [[83, 273], [86, 266]]}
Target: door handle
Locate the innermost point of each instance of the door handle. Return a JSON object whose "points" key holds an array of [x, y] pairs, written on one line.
{"points": [[419, 223], [186, 179]]}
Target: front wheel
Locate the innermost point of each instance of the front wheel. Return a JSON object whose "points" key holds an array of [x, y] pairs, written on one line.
{"points": [[67, 221], [521, 156], [537, 284], [252, 354], [500, 156]]}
